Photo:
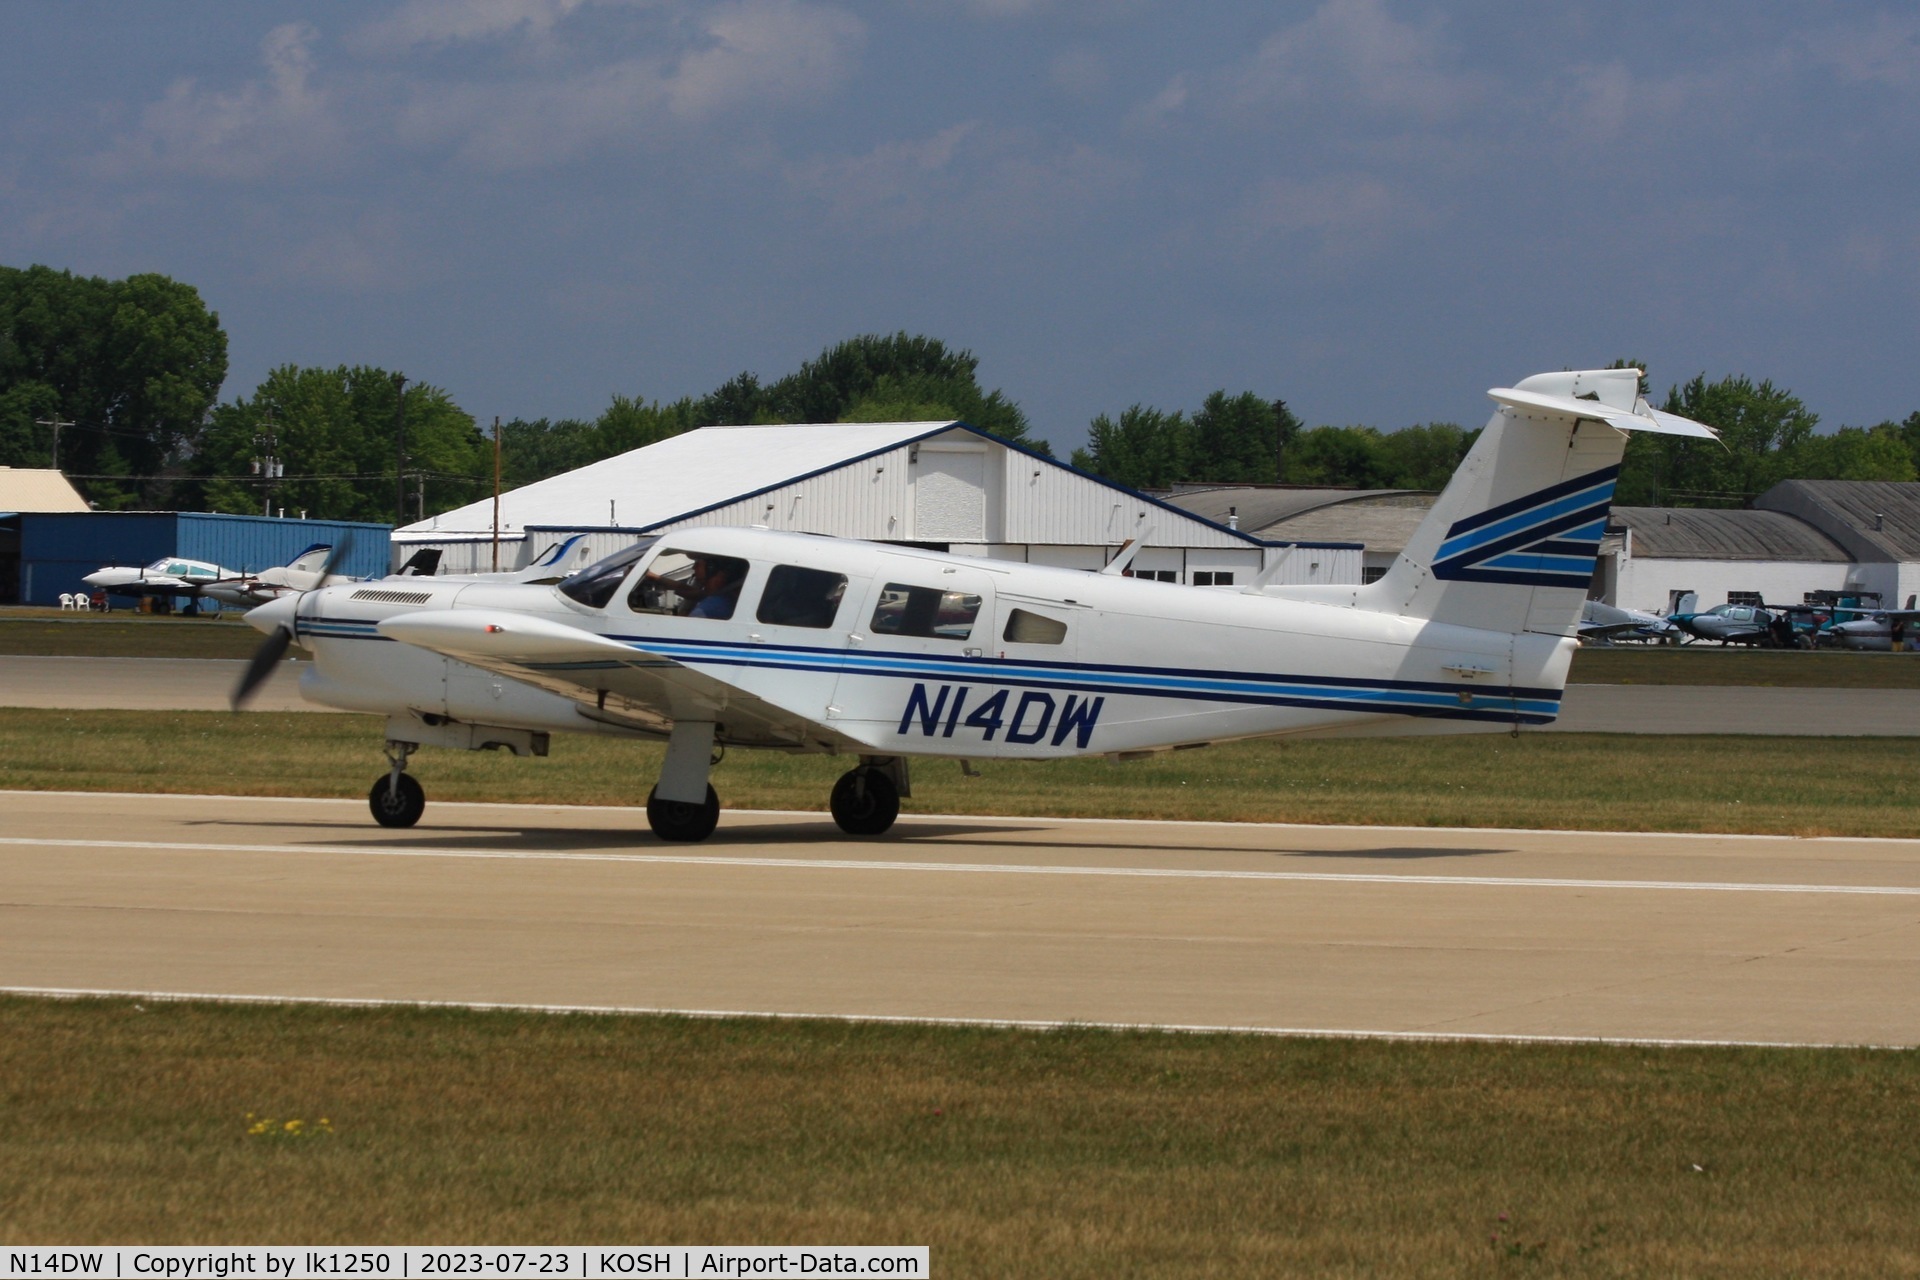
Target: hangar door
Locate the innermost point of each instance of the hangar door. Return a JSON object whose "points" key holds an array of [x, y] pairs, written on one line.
{"points": [[950, 495]]}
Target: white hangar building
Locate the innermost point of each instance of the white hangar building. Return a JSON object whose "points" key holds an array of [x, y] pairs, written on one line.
{"points": [[943, 485]]}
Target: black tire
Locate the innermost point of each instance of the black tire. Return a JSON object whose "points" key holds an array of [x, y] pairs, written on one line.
{"points": [[864, 802], [400, 806], [681, 822]]}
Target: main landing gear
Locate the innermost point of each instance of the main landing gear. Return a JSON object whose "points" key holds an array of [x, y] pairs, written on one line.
{"points": [[866, 800], [397, 800]]}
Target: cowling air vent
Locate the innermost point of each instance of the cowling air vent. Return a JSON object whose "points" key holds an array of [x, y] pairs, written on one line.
{"points": [[392, 597]]}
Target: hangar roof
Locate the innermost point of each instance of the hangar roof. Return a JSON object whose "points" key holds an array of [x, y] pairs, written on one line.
{"points": [[1259, 506], [1698, 533], [680, 475], [1877, 521], [38, 489]]}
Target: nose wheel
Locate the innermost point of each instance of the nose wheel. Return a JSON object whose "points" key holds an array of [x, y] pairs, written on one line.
{"points": [[864, 802], [396, 799], [680, 821]]}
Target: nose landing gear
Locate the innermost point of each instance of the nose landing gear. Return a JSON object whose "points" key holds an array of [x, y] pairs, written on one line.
{"points": [[397, 800]]}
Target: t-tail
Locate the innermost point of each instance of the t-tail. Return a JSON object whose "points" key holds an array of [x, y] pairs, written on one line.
{"points": [[1512, 542]]}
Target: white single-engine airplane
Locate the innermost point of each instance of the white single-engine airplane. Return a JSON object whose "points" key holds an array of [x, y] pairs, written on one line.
{"points": [[727, 637]]}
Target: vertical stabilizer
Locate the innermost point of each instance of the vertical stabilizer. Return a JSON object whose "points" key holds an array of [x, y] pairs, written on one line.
{"points": [[1511, 543]]}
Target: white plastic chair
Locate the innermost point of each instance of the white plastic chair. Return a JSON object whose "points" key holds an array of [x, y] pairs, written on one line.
{"points": [[66, 600]]}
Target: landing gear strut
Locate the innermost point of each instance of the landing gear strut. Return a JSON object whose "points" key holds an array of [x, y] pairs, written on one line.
{"points": [[397, 800], [865, 801], [672, 811]]}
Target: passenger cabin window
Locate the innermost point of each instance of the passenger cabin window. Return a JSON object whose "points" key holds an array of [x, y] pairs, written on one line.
{"points": [[797, 597], [594, 585], [691, 584], [1033, 628], [925, 611]]}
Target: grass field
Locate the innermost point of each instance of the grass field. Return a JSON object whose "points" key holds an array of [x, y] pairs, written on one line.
{"points": [[1792, 786], [1059, 1154], [125, 635]]}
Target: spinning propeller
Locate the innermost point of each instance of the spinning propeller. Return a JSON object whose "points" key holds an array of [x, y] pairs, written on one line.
{"points": [[275, 646]]}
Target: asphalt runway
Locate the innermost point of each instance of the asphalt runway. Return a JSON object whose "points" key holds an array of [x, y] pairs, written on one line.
{"points": [[1280, 928], [190, 684]]}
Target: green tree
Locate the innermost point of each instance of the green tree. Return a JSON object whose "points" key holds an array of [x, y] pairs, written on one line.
{"points": [[1337, 457], [1762, 429], [1235, 440], [333, 431], [1854, 453], [135, 364], [1423, 456], [1145, 449]]}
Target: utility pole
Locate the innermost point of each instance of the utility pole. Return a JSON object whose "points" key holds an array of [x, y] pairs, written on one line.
{"points": [[266, 462], [400, 449], [56, 423], [496, 493]]}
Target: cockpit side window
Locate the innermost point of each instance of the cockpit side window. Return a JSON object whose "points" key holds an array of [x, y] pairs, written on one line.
{"points": [[594, 585], [800, 597], [691, 584], [924, 611]]}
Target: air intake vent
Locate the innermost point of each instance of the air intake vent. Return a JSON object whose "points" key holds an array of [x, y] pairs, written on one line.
{"points": [[393, 597]]}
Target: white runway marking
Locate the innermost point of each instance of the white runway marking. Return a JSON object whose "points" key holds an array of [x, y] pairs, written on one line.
{"points": [[1018, 1024], [968, 868]]}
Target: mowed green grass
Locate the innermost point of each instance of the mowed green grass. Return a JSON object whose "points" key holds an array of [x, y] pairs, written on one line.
{"points": [[1712, 664], [46, 633], [1792, 786], [1052, 1154]]}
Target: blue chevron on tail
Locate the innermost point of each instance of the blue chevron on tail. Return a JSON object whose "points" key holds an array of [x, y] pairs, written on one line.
{"points": [[1547, 538]]}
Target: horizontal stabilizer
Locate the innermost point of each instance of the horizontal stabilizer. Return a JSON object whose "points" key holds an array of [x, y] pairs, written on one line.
{"points": [[1654, 420], [484, 636]]}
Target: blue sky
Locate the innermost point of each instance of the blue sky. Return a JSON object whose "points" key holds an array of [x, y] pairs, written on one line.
{"points": [[1375, 209]]}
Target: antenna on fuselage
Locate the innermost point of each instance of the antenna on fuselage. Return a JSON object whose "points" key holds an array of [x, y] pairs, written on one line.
{"points": [[1123, 558]]}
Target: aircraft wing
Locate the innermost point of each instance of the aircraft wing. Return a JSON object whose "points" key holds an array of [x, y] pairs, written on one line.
{"points": [[613, 681]]}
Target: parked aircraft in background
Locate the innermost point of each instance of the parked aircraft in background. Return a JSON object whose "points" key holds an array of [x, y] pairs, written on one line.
{"points": [[1881, 630], [302, 573], [712, 638], [167, 576], [1602, 623], [1738, 624]]}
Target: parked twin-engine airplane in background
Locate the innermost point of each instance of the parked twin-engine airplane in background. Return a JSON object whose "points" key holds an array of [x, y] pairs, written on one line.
{"points": [[728, 637], [197, 579]]}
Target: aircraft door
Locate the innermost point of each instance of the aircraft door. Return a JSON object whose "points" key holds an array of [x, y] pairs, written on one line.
{"points": [[922, 632]]}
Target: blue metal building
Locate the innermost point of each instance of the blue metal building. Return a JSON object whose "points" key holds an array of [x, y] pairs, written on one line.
{"points": [[58, 549]]}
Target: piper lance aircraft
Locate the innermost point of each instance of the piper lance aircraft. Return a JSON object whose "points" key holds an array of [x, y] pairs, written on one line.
{"points": [[717, 638]]}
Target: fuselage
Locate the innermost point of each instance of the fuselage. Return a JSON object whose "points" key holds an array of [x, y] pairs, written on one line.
{"points": [[836, 645]]}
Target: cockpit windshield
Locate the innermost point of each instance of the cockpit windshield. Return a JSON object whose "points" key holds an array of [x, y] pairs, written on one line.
{"points": [[594, 585]]}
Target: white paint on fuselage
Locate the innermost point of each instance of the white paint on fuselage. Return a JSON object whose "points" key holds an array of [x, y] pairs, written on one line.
{"points": [[1144, 665]]}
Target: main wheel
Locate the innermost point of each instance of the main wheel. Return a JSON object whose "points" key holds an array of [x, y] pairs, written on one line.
{"points": [[864, 802], [398, 806], [678, 820]]}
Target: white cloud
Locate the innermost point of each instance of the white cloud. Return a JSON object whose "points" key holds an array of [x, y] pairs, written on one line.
{"points": [[1885, 51], [278, 122], [1355, 52], [1341, 215], [745, 56], [435, 22], [969, 176]]}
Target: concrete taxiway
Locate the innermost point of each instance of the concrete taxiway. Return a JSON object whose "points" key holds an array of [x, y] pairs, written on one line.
{"points": [[203, 684], [1330, 929]]}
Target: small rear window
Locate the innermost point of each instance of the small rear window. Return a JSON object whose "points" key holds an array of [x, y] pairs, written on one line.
{"points": [[925, 611], [797, 597], [1033, 628]]}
